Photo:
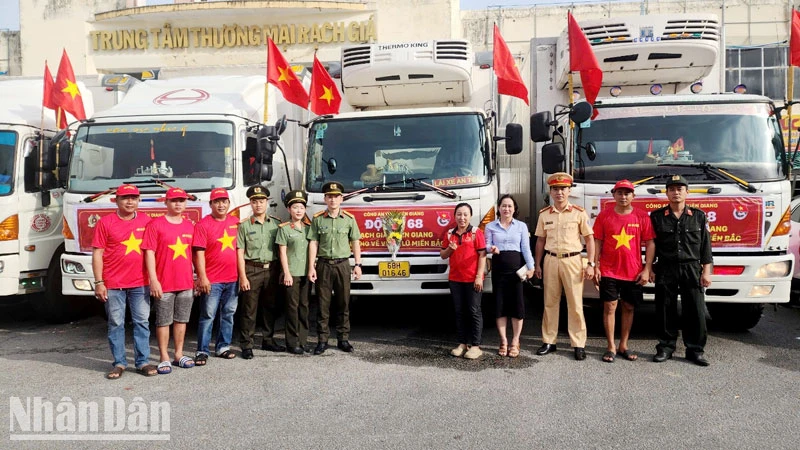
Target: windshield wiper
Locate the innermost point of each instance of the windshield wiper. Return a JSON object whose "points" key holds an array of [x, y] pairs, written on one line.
{"points": [[719, 172], [412, 181]]}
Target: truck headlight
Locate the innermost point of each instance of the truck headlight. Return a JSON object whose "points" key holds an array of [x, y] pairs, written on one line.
{"points": [[778, 269], [72, 267]]}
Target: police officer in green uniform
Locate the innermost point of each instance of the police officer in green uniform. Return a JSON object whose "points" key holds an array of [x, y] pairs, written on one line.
{"points": [[683, 249], [259, 270], [292, 243], [332, 233]]}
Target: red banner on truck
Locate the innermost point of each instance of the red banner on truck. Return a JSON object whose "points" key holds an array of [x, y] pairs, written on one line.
{"points": [[422, 229], [734, 222], [88, 218]]}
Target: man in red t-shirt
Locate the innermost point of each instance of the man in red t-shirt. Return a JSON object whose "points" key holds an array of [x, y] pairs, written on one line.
{"points": [[168, 259], [619, 233], [215, 261], [120, 279]]}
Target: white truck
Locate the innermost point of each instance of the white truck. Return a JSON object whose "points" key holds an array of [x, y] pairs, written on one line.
{"points": [[661, 113], [421, 138], [197, 133], [31, 194]]}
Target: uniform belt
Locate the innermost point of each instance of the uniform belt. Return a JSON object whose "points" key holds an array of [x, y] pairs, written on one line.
{"points": [[334, 260], [259, 264], [562, 255]]}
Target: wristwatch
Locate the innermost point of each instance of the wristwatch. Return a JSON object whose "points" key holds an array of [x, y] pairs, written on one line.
{"points": [[357, 265], [591, 264]]}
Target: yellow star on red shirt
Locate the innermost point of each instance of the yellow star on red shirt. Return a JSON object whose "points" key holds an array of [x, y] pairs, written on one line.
{"points": [[226, 241], [328, 95], [132, 245], [71, 89], [623, 238], [178, 249]]}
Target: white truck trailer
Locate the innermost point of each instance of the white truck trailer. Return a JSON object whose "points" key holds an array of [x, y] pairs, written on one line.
{"points": [[661, 112], [421, 137], [196, 133], [31, 195]]}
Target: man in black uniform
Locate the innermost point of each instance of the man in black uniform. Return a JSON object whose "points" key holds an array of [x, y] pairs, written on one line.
{"points": [[683, 251]]}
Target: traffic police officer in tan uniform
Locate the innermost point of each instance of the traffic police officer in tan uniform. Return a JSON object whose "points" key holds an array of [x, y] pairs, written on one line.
{"points": [[259, 270], [558, 251], [332, 233]]}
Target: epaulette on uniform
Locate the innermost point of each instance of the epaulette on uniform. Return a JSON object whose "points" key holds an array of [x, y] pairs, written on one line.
{"points": [[306, 220], [284, 224], [319, 213], [278, 219], [579, 208], [348, 214], [544, 209]]}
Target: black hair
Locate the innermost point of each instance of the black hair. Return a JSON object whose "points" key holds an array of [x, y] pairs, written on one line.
{"points": [[463, 204], [513, 200]]}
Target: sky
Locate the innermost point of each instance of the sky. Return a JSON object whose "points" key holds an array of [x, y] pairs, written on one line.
{"points": [[9, 9]]}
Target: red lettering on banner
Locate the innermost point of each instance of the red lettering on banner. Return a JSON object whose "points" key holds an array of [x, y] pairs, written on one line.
{"points": [[88, 218], [734, 222], [424, 227]]}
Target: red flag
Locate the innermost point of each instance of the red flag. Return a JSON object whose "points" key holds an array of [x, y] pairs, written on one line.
{"points": [[280, 75], [582, 59], [47, 96], [650, 147], [509, 81], [325, 97], [794, 41], [66, 94]]}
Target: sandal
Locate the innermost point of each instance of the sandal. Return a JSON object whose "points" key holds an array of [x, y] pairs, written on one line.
{"points": [[227, 354], [148, 370], [608, 356], [503, 350], [184, 363], [115, 373], [513, 351], [629, 355], [200, 359], [164, 368]]}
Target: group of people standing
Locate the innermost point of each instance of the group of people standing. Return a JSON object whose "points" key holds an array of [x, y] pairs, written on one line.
{"points": [[136, 258], [678, 259]]}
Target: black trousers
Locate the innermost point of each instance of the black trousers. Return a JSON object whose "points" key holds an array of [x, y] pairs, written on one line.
{"points": [[297, 312], [674, 278], [333, 284], [263, 291], [469, 318]]}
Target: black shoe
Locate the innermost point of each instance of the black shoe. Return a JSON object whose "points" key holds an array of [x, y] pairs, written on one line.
{"points": [[345, 346], [698, 359], [662, 355], [272, 347], [321, 347], [247, 353], [545, 349], [295, 350], [580, 354]]}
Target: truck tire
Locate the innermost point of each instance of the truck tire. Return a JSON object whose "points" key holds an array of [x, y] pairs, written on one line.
{"points": [[53, 307], [735, 316]]}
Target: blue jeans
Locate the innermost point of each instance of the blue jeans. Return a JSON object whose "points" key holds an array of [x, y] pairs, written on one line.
{"points": [[223, 298], [138, 300]]}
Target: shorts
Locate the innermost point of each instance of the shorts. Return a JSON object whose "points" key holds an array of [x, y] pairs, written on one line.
{"points": [[174, 307], [612, 289]]}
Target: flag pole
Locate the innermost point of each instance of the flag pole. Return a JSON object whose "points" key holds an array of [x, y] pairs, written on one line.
{"points": [[571, 126], [266, 88], [789, 95]]}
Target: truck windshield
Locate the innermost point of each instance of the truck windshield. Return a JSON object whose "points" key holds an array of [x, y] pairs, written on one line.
{"points": [[195, 155], [448, 150], [8, 145], [742, 138]]}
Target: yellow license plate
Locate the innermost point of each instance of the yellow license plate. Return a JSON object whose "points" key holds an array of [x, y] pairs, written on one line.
{"points": [[394, 269]]}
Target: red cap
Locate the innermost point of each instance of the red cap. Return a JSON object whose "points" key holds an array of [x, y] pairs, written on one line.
{"points": [[623, 184], [219, 193], [174, 193], [127, 189]]}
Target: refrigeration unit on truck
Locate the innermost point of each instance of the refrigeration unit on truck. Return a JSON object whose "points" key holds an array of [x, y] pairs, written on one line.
{"points": [[421, 138], [196, 133], [32, 171], [661, 113]]}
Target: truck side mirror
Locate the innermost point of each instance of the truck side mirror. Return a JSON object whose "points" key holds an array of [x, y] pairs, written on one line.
{"points": [[553, 157], [53, 161], [513, 138], [580, 112], [266, 144], [541, 130]]}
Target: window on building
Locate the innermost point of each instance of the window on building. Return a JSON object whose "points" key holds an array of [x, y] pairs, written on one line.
{"points": [[762, 69]]}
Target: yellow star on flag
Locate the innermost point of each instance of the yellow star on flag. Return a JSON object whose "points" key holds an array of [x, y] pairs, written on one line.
{"points": [[71, 89], [328, 95], [285, 71], [226, 241], [178, 249], [132, 245], [623, 238]]}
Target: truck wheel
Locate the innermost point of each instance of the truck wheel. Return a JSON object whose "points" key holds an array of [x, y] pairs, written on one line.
{"points": [[735, 316], [51, 305]]}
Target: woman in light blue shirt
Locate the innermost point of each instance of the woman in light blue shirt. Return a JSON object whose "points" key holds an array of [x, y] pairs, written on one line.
{"points": [[508, 241]]}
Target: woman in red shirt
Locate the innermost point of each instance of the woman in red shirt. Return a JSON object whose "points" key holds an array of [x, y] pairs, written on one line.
{"points": [[466, 248]]}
